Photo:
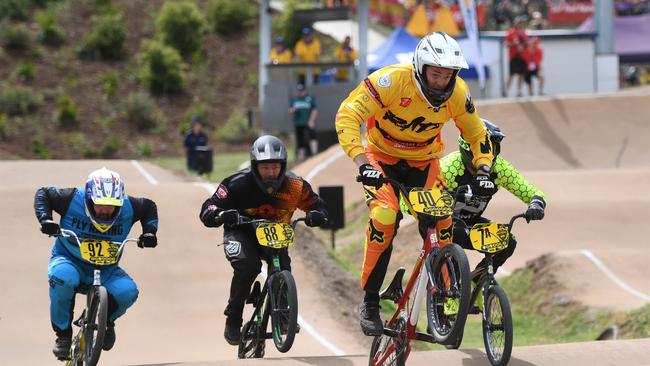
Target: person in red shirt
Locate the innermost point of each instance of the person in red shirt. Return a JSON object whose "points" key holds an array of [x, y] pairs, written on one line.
{"points": [[533, 56], [517, 41]]}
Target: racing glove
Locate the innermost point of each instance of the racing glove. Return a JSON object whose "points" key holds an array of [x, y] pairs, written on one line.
{"points": [[49, 227], [315, 218], [535, 209], [147, 240], [482, 185], [228, 217], [370, 176]]}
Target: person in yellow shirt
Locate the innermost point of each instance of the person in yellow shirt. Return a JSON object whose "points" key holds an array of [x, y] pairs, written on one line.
{"points": [[404, 107], [279, 53], [307, 50], [344, 53]]}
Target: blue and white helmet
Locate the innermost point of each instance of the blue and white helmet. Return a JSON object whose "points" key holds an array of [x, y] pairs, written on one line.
{"points": [[440, 50], [103, 187]]}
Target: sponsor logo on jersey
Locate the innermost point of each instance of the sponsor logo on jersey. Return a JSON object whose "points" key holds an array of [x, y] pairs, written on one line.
{"points": [[469, 104], [222, 191], [404, 102], [417, 124], [384, 81]]}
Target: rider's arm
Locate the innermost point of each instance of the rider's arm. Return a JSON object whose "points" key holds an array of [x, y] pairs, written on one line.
{"points": [[468, 122], [451, 166], [362, 103], [47, 199], [222, 199], [509, 177], [310, 201], [145, 211]]}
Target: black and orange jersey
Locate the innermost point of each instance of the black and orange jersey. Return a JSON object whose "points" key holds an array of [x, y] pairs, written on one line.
{"points": [[402, 124], [239, 191]]}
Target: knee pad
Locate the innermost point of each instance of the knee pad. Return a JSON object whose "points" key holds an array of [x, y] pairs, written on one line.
{"points": [[64, 277]]}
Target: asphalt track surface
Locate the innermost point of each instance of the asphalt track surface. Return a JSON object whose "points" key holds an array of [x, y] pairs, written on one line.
{"points": [[588, 154]]}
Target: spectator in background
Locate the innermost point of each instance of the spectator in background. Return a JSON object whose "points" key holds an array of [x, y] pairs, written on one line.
{"points": [[344, 53], [194, 137], [533, 56], [303, 108], [537, 22], [307, 50], [279, 53], [516, 40]]}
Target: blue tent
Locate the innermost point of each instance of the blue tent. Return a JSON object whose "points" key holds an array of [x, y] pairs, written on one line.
{"points": [[398, 48]]}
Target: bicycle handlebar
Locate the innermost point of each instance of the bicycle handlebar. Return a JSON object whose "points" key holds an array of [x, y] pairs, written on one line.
{"points": [[245, 220], [65, 233]]}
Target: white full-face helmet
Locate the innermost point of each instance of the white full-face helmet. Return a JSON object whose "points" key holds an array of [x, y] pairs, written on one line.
{"points": [[437, 49]]}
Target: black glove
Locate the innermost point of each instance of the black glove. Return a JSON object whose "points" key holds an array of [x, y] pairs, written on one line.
{"points": [[315, 218], [370, 176], [49, 227], [482, 185], [535, 209], [147, 240], [228, 217]]}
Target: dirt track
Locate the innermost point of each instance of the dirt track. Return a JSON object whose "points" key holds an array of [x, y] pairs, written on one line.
{"points": [[183, 283]]}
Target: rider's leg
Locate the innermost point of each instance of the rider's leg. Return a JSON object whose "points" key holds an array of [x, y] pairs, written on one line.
{"points": [[122, 293], [64, 278], [500, 258], [242, 253]]}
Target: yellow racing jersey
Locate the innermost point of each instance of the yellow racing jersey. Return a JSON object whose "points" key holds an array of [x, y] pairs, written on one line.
{"points": [[400, 121], [283, 57], [308, 52]]}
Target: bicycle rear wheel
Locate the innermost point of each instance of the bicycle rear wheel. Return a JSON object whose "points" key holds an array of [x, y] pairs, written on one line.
{"points": [[451, 281], [95, 325], [497, 326], [387, 350], [284, 310]]}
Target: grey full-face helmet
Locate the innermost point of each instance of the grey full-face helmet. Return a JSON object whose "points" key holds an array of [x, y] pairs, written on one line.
{"points": [[268, 149]]}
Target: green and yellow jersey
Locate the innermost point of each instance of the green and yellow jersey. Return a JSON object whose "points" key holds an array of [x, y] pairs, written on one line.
{"points": [[503, 174]]}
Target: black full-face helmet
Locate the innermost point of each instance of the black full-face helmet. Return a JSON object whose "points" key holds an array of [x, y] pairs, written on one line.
{"points": [[495, 137], [268, 149]]}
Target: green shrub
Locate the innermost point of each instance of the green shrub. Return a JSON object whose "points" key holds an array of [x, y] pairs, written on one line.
{"points": [[51, 33], [110, 147], [4, 123], [236, 131], [161, 68], [286, 25], [18, 100], [39, 148], [143, 149], [14, 9], [66, 112], [110, 83], [141, 112], [181, 25], [17, 37], [107, 39], [24, 72], [229, 17], [81, 146]]}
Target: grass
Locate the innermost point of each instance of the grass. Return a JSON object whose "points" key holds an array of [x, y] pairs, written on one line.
{"points": [[223, 164]]}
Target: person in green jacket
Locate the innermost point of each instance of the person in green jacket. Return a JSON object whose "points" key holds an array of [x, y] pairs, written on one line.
{"points": [[459, 173]]}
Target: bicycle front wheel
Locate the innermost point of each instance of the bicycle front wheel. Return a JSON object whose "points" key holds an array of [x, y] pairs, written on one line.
{"points": [[95, 325], [448, 299], [497, 326], [284, 310], [389, 351]]}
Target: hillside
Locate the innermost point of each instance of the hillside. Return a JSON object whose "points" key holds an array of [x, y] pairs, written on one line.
{"points": [[220, 81]]}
